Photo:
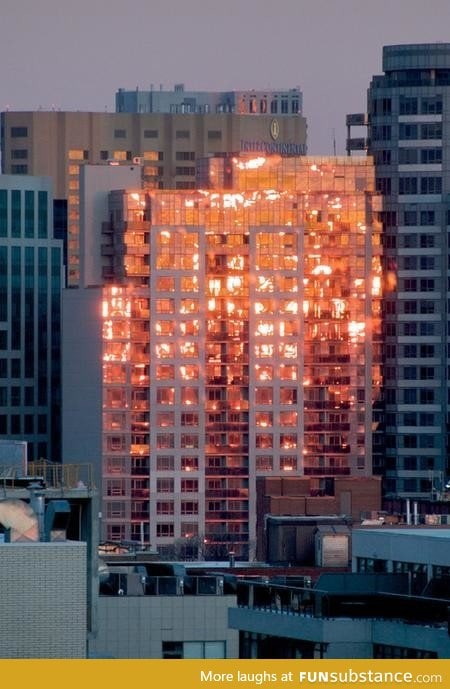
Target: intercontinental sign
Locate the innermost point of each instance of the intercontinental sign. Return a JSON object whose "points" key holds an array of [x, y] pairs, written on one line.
{"points": [[283, 149]]}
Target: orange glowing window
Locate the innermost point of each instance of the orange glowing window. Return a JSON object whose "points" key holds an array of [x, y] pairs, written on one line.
{"points": [[288, 372], [264, 419], [189, 395], [264, 372], [288, 462], [288, 418], [264, 395], [288, 395], [165, 372], [189, 349], [165, 350], [189, 327], [288, 440], [165, 395], [165, 328], [165, 419], [189, 371], [264, 350], [189, 306], [264, 440], [165, 283], [165, 306]]}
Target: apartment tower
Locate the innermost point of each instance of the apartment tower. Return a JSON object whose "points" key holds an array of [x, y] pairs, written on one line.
{"points": [[239, 333], [409, 138]]}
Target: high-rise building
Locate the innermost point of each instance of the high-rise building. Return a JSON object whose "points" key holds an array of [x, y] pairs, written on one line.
{"points": [[409, 138], [30, 313], [280, 103], [239, 331], [164, 144]]}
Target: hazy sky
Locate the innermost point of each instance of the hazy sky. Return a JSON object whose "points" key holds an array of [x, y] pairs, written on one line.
{"points": [[74, 55]]}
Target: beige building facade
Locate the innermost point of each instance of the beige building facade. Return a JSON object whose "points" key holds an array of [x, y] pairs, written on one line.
{"points": [[165, 145]]}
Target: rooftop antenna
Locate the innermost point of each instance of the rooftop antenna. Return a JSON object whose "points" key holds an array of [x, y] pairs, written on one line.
{"points": [[334, 142]]}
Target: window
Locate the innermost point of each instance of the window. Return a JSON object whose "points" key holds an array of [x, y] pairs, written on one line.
{"points": [[410, 351], [409, 307], [165, 419], [165, 395], [189, 440], [427, 351], [189, 463], [428, 329], [150, 134], [410, 285], [431, 185], [214, 134], [182, 134], [288, 462], [165, 507], [408, 105], [264, 463], [432, 130], [431, 105], [383, 185], [410, 372], [165, 530], [427, 241], [189, 507], [165, 462], [189, 485], [427, 285], [185, 155], [408, 262], [426, 373], [185, 170], [407, 131], [410, 396], [426, 306], [165, 441], [19, 153], [427, 263], [193, 649], [19, 132], [408, 156], [427, 217], [381, 132], [409, 218], [263, 396], [164, 485], [407, 185], [120, 133], [430, 156]]}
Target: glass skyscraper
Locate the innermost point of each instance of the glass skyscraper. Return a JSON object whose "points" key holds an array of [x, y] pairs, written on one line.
{"points": [[408, 113], [30, 316]]}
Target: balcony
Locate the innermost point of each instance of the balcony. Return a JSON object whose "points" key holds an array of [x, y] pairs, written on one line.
{"points": [[226, 471], [135, 584]]}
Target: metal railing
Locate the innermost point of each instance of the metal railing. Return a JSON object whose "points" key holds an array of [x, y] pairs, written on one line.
{"points": [[68, 476]]}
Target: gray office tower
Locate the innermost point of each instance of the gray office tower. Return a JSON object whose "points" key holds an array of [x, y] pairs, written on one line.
{"points": [[30, 316], [408, 122]]}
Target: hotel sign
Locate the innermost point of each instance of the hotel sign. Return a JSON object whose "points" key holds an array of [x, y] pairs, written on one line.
{"points": [[268, 147]]}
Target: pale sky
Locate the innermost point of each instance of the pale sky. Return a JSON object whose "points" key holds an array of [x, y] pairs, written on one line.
{"points": [[74, 55]]}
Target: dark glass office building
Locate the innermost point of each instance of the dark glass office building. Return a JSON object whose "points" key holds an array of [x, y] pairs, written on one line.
{"points": [[30, 315]]}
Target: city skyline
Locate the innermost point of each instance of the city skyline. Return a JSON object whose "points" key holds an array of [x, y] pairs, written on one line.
{"points": [[292, 44]]}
